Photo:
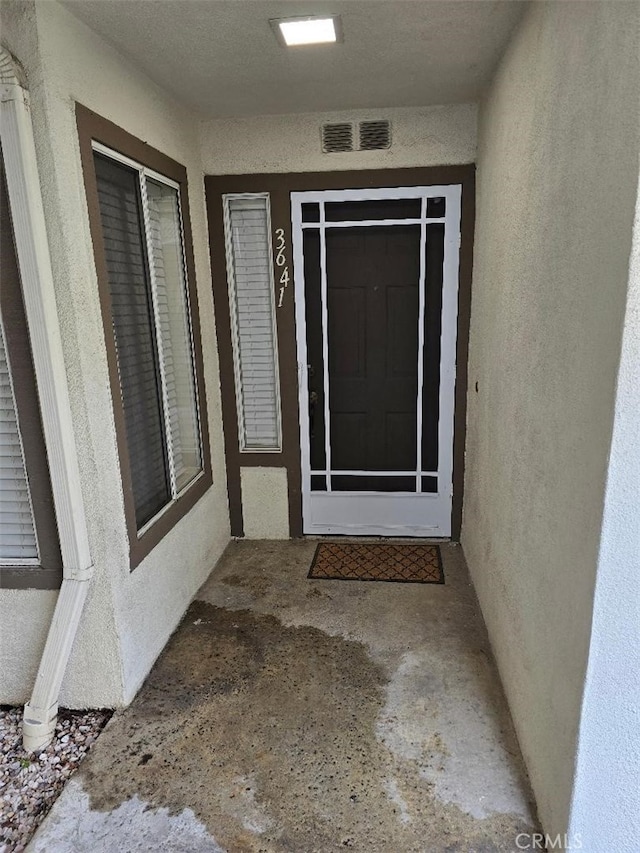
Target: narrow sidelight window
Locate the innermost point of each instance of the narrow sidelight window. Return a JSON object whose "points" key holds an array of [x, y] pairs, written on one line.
{"points": [[145, 263], [253, 325]]}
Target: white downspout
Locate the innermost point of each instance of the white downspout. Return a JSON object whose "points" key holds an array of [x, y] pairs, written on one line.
{"points": [[32, 249]]}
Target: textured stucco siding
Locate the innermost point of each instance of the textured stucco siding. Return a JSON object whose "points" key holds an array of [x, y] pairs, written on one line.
{"points": [[24, 619], [265, 503], [428, 136], [129, 616], [606, 799], [557, 176]]}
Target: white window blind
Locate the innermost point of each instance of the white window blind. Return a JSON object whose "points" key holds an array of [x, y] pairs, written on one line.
{"points": [[17, 532], [174, 332], [252, 303], [132, 314]]}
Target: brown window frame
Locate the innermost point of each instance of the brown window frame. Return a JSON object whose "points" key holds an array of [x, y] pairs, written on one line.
{"points": [[48, 573], [94, 128]]}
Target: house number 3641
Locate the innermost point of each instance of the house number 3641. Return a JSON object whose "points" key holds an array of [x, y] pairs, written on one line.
{"points": [[281, 265]]}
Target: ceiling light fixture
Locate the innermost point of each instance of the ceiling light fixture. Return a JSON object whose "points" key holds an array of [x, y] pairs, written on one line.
{"points": [[293, 32]]}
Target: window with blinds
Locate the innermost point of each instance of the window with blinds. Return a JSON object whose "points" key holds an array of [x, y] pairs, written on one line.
{"points": [[253, 326], [18, 545], [29, 546], [174, 331], [144, 254]]}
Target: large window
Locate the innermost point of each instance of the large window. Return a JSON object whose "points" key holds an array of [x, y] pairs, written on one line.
{"points": [[29, 550], [142, 255]]}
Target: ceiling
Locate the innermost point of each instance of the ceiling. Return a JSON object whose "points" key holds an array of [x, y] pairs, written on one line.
{"points": [[222, 58]]}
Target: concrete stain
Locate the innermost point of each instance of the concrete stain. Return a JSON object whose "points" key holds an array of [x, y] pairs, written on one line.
{"points": [[134, 827], [269, 735], [256, 585]]}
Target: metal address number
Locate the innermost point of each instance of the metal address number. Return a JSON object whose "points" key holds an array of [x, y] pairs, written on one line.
{"points": [[281, 263]]}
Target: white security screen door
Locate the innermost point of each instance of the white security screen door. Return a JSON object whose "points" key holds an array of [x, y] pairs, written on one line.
{"points": [[376, 285]]}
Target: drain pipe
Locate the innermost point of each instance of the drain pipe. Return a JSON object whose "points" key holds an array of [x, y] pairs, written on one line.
{"points": [[32, 249]]}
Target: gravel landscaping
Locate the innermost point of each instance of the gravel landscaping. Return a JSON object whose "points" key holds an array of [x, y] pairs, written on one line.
{"points": [[30, 783]]}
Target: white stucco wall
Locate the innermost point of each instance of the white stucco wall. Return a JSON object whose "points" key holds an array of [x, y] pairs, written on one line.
{"points": [[129, 616], [606, 800], [430, 136], [557, 176], [31, 610], [265, 503]]}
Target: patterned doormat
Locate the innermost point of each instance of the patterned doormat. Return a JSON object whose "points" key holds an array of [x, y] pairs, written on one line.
{"points": [[397, 563]]}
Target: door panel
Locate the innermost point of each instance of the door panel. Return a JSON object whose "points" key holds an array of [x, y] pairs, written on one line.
{"points": [[314, 357], [434, 263], [347, 334], [385, 208], [372, 297], [376, 277]]}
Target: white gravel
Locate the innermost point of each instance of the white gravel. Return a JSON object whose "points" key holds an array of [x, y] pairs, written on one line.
{"points": [[31, 782]]}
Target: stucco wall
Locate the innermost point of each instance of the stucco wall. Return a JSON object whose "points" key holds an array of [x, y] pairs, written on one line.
{"points": [[557, 176], [431, 136], [129, 616], [606, 800], [31, 611], [265, 503]]}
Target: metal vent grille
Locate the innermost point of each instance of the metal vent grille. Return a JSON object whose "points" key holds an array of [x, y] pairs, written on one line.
{"points": [[375, 135], [337, 138]]}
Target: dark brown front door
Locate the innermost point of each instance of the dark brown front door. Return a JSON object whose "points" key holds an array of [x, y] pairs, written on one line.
{"points": [[372, 288]]}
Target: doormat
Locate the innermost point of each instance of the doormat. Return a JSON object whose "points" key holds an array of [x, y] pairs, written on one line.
{"points": [[391, 562]]}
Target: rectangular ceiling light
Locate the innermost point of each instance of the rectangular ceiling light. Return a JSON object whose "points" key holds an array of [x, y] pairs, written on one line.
{"points": [[292, 32]]}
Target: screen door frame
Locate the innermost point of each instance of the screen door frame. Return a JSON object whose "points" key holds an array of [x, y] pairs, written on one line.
{"points": [[359, 513]]}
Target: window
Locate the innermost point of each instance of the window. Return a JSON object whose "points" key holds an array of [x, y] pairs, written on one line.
{"points": [[18, 545], [29, 549], [253, 326], [142, 235], [139, 217]]}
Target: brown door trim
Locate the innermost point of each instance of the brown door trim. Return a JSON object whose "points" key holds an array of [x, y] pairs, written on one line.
{"points": [[280, 186]]}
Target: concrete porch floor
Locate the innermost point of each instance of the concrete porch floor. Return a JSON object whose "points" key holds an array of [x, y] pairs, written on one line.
{"points": [[288, 714]]}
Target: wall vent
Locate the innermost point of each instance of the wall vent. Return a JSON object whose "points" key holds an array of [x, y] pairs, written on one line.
{"points": [[371, 136], [375, 135], [337, 138]]}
